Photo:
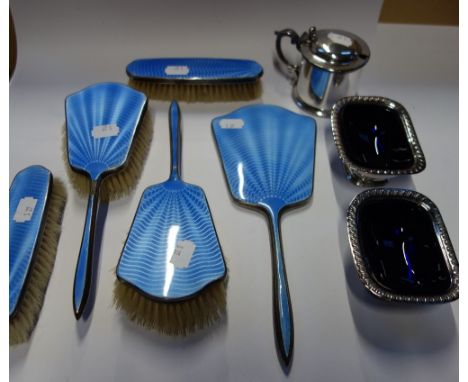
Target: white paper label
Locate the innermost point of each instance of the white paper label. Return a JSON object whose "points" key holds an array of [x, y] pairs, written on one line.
{"points": [[25, 209], [177, 70], [183, 254], [104, 131], [340, 39], [232, 123]]}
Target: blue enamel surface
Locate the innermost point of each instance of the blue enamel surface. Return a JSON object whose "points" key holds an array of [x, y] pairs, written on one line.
{"points": [[169, 213], [33, 181], [83, 258], [281, 294], [174, 125], [97, 105], [268, 158], [271, 156], [198, 69]]}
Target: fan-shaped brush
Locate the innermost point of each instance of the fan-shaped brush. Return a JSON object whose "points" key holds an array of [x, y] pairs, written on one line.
{"points": [[171, 274], [107, 142], [118, 184]]}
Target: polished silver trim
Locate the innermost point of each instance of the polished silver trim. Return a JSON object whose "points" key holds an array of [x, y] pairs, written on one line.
{"points": [[441, 232], [363, 176]]}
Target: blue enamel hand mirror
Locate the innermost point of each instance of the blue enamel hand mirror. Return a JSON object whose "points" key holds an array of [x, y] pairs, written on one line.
{"points": [[268, 159]]}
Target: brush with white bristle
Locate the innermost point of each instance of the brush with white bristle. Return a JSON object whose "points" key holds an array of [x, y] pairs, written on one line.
{"points": [[197, 79], [28, 285]]}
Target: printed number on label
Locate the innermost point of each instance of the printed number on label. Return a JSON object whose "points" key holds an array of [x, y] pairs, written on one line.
{"points": [[25, 209], [183, 254]]}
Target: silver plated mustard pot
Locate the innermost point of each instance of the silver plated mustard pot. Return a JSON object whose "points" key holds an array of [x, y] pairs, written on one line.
{"points": [[329, 68]]}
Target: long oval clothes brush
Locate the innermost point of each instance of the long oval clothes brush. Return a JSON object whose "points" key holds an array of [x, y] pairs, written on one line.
{"points": [[171, 273], [107, 142], [37, 201], [197, 79], [268, 159]]}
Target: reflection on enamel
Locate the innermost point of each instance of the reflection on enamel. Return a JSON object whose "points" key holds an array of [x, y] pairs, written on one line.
{"points": [[240, 173], [171, 244]]}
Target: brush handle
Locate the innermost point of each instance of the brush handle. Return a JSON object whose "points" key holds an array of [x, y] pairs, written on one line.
{"points": [[174, 124], [84, 266], [283, 316]]}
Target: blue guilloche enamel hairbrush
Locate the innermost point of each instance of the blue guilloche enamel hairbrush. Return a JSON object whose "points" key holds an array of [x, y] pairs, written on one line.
{"points": [[197, 79]]}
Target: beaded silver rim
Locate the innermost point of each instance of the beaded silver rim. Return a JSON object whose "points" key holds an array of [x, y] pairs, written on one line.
{"points": [[441, 232], [419, 159]]}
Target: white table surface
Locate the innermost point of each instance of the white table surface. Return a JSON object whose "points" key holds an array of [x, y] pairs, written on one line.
{"points": [[341, 332]]}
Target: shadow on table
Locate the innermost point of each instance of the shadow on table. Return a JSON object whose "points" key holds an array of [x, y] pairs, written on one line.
{"points": [[391, 327], [19, 353], [185, 357]]}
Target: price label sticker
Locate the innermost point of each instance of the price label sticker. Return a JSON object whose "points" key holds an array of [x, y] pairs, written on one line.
{"points": [[25, 209], [183, 253], [177, 70], [231, 123], [105, 131]]}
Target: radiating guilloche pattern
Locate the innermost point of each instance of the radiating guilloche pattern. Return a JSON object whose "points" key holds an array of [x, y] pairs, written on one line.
{"points": [[89, 113], [31, 184], [270, 156], [194, 69]]}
